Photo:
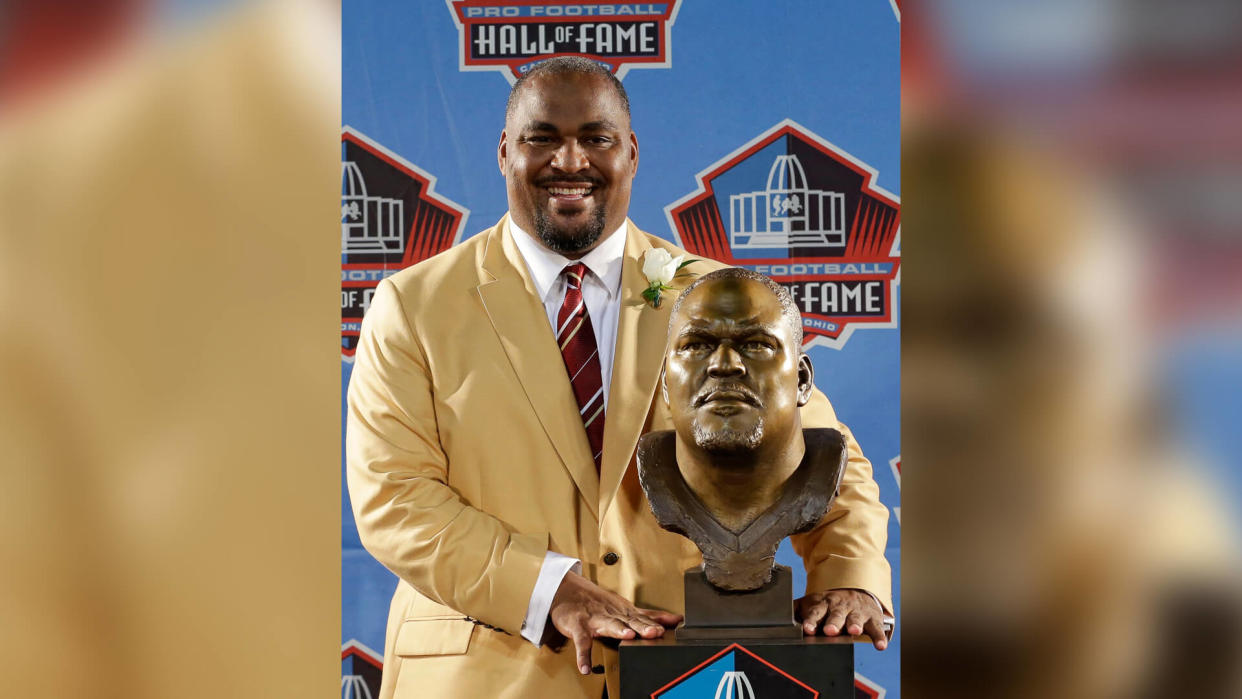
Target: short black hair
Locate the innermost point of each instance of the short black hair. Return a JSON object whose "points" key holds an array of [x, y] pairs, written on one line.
{"points": [[789, 309], [566, 65]]}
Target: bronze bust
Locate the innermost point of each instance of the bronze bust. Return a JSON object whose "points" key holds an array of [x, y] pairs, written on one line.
{"points": [[738, 473]]}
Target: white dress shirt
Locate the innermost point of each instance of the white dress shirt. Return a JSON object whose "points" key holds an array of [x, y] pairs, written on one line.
{"points": [[601, 292]]}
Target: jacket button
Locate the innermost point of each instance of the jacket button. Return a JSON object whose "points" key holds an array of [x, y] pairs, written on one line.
{"points": [[610, 558], [598, 669]]}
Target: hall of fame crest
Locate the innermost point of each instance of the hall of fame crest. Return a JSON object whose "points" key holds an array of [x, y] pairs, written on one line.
{"points": [[391, 218], [796, 208], [510, 36]]}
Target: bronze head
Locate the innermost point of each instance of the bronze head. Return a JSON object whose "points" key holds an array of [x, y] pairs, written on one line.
{"points": [[735, 373]]}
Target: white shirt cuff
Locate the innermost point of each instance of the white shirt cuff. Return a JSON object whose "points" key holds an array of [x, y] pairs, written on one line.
{"points": [[554, 568]]}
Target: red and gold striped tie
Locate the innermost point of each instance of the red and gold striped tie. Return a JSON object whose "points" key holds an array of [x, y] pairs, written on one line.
{"points": [[577, 340]]}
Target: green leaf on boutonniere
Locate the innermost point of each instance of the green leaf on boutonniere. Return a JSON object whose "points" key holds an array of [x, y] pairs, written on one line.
{"points": [[681, 272], [652, 294]]}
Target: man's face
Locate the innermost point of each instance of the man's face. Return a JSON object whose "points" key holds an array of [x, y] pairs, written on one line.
{"points": [[568, 157], [734, 378]]}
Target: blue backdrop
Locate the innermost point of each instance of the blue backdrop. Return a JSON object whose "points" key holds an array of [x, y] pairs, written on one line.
{"points": [[719, 91]]}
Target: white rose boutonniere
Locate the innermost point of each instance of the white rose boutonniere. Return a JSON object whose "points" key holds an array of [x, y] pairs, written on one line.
{"points": [[661, 269]]}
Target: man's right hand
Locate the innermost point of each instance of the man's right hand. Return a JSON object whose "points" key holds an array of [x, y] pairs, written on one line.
{"points": [[582, 610]]}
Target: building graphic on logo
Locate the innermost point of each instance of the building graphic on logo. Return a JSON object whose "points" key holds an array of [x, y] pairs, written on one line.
{"points": [[354, 687], [510, 36], [368, 224], [734, 685], [792, 206], [391, 218], [787, 213]]}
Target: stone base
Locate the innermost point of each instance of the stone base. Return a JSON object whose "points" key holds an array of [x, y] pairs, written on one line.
{"points": [[670, 668], [712, 613]]}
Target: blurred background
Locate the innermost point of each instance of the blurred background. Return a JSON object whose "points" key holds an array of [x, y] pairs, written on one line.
{"points": [[1072, 348], [168, 370]]}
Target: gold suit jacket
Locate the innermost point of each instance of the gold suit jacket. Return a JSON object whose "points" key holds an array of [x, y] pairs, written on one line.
{"points": [[467, 461]]}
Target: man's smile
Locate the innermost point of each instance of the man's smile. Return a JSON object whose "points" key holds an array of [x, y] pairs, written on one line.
{"points": [[570, 193], [568, 189]]}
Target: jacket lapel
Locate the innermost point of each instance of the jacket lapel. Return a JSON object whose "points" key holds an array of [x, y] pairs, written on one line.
{"points": [[636, 363], [517, 314]]}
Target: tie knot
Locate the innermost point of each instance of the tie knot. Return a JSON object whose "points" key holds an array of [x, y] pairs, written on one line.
{"points": [[574, 274]]}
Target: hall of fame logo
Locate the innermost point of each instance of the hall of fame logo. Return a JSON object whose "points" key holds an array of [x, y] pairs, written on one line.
{"points": [[735, 673], [510, 36], [391, 218], [796, 208]]}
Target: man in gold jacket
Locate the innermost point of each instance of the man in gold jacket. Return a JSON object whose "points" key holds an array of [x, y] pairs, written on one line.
{"points": [[517, 534]]}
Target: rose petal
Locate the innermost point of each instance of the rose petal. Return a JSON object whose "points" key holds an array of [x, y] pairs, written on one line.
{"points": [[654, 263]]}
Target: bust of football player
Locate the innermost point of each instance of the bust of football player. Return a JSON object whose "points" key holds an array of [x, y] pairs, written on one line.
{"points": [[738, 473]]}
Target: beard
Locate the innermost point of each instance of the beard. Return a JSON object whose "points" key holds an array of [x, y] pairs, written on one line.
{"points": [[727, 441], [569, 241]]}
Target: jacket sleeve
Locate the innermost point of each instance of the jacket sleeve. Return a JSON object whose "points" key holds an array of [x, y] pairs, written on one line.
{"points": [[408, 516], [846, 549]]}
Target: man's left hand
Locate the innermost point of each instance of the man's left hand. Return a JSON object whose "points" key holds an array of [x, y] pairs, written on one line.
{"points": [[834, 611]]}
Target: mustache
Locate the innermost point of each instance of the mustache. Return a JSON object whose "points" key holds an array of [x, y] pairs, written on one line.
{"points": [[710, 392], [569, 179]]}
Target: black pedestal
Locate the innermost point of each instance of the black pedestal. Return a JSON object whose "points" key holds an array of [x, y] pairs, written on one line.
{"points": [[670, 668]]}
